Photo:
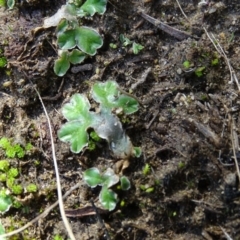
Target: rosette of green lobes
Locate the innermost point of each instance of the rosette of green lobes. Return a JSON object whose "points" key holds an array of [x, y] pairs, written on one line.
{"points": [[62, 64], [86, 39], [110, 97], [79, 120]]}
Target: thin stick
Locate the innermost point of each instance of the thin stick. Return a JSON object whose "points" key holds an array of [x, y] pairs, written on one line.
{"points": [[182, 11], [223, 54], [233, 138], [42, 215], [59, 189], [226, 234]]}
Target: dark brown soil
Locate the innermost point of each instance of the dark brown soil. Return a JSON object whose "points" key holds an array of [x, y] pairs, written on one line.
{"points": [[187, 127]]}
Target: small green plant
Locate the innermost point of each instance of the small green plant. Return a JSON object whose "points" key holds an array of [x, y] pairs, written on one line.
{"points": [[107, 197], [146, 169], [199, 71], [58, 237], [181, 165], [3, 62], [31, 188], [186, 64], [76, 42], [146, 188], [105, 124], [13, 150], [215, 62], [136, 47], [8, 177]]}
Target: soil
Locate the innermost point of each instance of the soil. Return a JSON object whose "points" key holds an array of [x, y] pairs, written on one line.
{"points": [[187, 125]]}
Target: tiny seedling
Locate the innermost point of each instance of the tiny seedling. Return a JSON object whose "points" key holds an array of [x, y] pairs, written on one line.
{"points": [[136, 47], [3, 62], [124, 40], [215, 62], [107, 197], [31, 188], [186, 64], [82, 40], [146, 169], [146, 188], [199, 71], [105, 124]]}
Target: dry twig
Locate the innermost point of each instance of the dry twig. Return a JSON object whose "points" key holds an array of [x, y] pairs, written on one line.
{"points": [[220, 50], [182, 11]]}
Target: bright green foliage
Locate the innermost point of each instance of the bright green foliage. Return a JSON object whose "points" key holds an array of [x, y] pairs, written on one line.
{"points": [[137, 152], [56, 237], [105, 124], [28, 147], [3, 62], [109, 96], [147, 189], [71, 35], [124, 40], [199, 71], [4, 143], [13, 150], [107, 197], [3, 177], [150, 190], [12, 173], [5, 201], [94, 136], [186, 64], [62, 64], [215, 62], [181, 165], [137, 47], [90, 7], [17, 189], [92, 177], [10, 182], [32, 188], [4, 165], [80, 119], [146, 169], [86, 39], [125, 183], [2, 4]]}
